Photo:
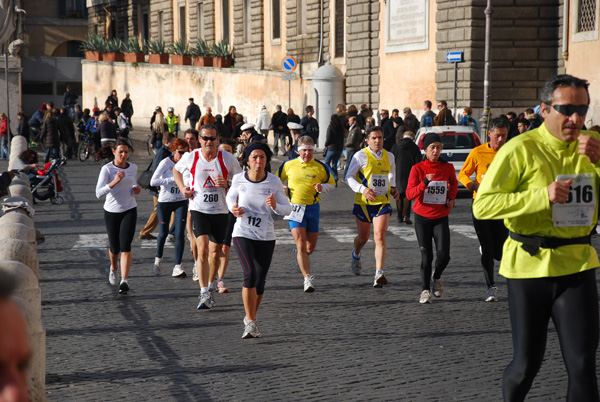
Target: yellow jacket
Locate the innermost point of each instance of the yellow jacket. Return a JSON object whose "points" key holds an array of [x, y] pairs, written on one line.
{"points": [[516, 189], [478, 161]]}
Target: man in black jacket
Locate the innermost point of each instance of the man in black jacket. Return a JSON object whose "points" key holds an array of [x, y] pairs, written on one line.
{"points": [[67, 131], [280, 130], [193, 113]]}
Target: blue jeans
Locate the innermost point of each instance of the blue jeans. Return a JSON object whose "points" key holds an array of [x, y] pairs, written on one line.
{"points": [[331, 159], [4, 148], [54, 154], [164, 210], [349, 156]]}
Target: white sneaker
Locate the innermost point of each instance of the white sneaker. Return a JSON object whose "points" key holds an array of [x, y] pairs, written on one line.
{"points": [[171, 238], [206, 301], [491, 294], [112, 277], [380, 279], [156, 266], [246, 320], [195, 274], [178, 272], [221, 287], [356, 266], [438, 287], [425, 297], [308, 283], [251, 330]]}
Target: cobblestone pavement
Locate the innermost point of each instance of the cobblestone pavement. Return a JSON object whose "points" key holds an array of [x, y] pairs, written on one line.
{"points": [[346, 341]]}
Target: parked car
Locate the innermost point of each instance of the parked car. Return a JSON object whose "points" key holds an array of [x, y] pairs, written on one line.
{"points": [[458, 141]]}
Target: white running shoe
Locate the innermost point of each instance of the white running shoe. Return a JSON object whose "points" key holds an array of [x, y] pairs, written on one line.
{"points": [[206, 301], [246, 320], [251, 330], [380, 279], [178, 272], [156, 266], [356, 266], [195, 273], [308, 283], [221, 287], [425, 297], [438, 287], [492, 294], [112, 277]]}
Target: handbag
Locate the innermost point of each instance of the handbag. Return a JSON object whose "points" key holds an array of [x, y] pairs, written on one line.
{"points": [[324, 152], [145, 177]]}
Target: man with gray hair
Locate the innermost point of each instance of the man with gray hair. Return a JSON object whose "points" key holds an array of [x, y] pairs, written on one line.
{"points": [[280, 132], [544, 184], [15, 353], [307, 178]]}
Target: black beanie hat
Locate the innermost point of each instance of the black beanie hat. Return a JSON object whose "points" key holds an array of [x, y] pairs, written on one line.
{"points": [[430, 138]]}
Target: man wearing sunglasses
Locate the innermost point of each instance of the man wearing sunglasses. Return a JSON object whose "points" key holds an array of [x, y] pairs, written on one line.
{"points": [[544, 184], [211, 169]]}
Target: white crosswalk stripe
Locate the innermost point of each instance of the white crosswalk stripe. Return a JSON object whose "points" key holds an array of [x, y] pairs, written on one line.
{"points": [[342, 234], [152, 244], [91, 242], [404, 232], [465, 230], [284, 236]]}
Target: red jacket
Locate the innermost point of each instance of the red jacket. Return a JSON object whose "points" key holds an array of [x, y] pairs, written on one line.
{"points": [[3, 128], [443, 171]]}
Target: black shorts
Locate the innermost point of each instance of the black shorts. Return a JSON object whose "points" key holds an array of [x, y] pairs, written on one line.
{"points": [[213, 225], [230, 225]]}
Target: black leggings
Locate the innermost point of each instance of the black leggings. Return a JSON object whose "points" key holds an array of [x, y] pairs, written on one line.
{"points": [[428, 230], [121, 229], [255, 258], [491, 234], [572, 303]]}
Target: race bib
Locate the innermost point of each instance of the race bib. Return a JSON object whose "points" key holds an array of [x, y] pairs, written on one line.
{"points": [[254, 224], [379, 183], [581, 202], [297, 213], [435, 193]]}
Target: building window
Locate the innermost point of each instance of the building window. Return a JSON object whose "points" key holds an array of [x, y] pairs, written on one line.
{"points": [[340, 28], [300, 17], [247, 21], [586, 20], [145, 27], [225, 24], [160, 25], [37, 88], [72, 9], [201, 21], [276, 20], [74, 49], [182, 23]]}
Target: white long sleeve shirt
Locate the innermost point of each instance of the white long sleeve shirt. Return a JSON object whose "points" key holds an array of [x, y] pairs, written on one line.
{"points": [[163, 177], [257, 222], [120, 198]]}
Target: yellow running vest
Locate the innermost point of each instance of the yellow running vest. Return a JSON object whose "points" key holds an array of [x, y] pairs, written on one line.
{"points": [[376, 176]]}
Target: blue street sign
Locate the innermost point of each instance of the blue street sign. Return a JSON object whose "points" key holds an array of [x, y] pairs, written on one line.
{"points": [[454, 57], [289, 64]]}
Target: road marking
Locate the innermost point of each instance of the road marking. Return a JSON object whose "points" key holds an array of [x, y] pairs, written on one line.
{"points": [[91, 242], [152, 244], [343, 234], [465, 230], [284, 236], [404, 232]]}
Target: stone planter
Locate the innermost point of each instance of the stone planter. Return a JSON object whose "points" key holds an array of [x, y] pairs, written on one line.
{"points": [[222, 62], [93, 56], [159, 59], [203, 61], [177, 60], [134, 57], [112, 56]]}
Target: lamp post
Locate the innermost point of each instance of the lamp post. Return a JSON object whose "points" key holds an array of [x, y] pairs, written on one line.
{"points": [[485, 116]]}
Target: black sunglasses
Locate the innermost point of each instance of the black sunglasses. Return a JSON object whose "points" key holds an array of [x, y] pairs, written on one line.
{"points": [[568, 110], [208, 138], [181, 152]]}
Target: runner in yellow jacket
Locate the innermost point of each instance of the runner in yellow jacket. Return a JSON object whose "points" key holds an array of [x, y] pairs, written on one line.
{"points": [[544, 184]]}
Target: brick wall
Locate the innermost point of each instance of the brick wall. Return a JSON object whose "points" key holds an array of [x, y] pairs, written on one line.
{"points": [[249, 54], [305, 47]]}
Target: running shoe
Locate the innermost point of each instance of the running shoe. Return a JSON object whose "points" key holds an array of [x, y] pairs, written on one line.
{"points": [[195, 273], [221, 287], [380, 279], [178, 272], [425, 297], [156, 268], [492, 294], [123, 287], [251, 330], [308, 283], [246, 320], [211, 300], [438, 287], [356, 265], [206, 301], [112, 277], [296, 260], [171, 238]]}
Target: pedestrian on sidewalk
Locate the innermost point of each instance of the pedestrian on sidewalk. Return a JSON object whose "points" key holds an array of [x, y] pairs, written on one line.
{"points": [[118, 182]]}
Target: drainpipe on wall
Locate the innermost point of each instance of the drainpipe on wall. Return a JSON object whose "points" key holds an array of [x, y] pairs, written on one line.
{"points": [[565, 36], [321, 34], [369, 75], [485, 116]]}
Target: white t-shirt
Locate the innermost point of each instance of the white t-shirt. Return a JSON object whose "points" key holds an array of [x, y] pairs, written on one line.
{"points": [[120, 198], [257, 222], [163, 177], [208, 198]]}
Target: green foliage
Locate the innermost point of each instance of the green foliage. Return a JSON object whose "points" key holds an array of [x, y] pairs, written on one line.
{"points": [[133, 46], [222, 49], [180, 48], [93, 43], [155, 47], [115, 45], [202, 49]]}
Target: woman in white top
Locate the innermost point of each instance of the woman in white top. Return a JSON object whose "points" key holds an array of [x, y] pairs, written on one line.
{"points": [[118, 182], [252, 197], [170, 200]]}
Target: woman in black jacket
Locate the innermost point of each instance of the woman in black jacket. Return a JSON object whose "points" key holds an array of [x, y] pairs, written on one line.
{"points": [[334, 142], [51, 135], [406, 154]]}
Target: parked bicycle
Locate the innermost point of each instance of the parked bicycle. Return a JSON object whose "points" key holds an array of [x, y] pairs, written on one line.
{"points": [[86, 147]]}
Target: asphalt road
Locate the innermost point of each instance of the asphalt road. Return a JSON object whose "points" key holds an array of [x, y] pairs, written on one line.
{"points": [[345, 342]]}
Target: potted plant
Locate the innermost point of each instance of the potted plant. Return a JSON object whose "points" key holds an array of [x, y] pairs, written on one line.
{"points": [[202, 54], [93, 46], [223, 56], [114, 50], [133, 51], [156, 49], [180, 54]]}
